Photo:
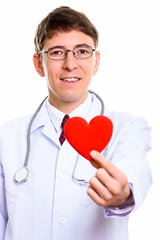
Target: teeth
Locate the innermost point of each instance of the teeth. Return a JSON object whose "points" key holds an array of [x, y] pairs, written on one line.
{"points": [[71, 79]]}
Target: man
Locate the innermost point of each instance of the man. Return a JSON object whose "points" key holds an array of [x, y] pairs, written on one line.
{"points": [[50, 204]]}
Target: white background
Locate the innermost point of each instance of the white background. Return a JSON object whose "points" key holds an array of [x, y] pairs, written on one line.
{"points": [[128, 78]]}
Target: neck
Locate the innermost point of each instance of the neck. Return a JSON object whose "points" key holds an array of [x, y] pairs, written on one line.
{"points": [[66, 106]]}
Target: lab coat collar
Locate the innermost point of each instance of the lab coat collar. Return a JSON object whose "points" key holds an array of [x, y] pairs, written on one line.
{"points": [[42, 120]]}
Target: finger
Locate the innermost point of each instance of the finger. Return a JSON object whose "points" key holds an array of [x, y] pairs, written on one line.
{"points": [[96, 198], [100, 189], [112, 185], [99, 161]]}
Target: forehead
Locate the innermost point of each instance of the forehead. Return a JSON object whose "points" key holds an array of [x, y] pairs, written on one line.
{"points": [[68, 39]]}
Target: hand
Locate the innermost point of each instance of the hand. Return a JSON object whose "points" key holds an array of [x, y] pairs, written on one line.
{"points": [[110, 186]]}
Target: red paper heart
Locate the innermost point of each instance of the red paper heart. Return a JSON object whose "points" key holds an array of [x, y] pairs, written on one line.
{"points": [[86, 137]]}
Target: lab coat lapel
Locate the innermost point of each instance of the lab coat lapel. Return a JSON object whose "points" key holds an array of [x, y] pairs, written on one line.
{"points": [[49, 131], [42, 120]]}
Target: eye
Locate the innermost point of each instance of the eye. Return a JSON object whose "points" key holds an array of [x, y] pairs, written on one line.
{"points": [[83, 51], [55, 52]]}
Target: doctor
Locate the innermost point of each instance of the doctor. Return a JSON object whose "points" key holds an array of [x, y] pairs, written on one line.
{"points": [[50, 205]]}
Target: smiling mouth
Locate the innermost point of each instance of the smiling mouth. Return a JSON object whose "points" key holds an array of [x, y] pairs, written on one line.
{"points": [[70, 79]]}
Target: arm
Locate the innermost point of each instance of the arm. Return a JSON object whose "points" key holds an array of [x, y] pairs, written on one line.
{"points": [[3, 208], [127, 174]]}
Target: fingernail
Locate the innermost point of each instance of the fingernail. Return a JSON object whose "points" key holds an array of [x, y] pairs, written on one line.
{"points": [[93, 153]]}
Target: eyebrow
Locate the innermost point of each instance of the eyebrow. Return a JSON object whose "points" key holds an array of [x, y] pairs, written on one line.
{"points": [[57, 46], [78, 45], [83, 45]]}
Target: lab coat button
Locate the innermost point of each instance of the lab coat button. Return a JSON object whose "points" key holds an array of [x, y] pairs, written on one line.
{"points": [[64, 178], [62, 220]]}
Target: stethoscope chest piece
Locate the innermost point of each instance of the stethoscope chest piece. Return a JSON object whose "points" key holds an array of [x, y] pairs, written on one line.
{"points": [[21, 175]]}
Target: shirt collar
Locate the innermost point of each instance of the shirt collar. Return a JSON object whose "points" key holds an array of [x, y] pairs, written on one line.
{"points": [[56, 116]]}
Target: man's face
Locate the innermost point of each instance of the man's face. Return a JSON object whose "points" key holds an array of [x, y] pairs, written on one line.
{"points": [[68, 79]]}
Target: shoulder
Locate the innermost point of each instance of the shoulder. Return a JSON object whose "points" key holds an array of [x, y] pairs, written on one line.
{"points": [[20, 126], [16, 125], [12, 135], [123, 119], [127, 126]]}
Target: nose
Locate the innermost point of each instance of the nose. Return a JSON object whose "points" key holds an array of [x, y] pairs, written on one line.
{"points": [[70, 62]]}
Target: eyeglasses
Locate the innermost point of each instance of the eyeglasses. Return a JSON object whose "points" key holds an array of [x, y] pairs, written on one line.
{"points": [[60, 53]]}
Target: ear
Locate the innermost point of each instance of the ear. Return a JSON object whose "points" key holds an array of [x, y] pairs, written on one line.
{"points": [[96, 64], [38, 64]]}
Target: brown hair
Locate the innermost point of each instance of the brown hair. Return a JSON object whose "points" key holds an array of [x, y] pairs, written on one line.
{"points": [[63, 19]]}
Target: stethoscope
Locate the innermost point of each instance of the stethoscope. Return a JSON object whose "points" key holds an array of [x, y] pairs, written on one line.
{"points": [[22, 174]]}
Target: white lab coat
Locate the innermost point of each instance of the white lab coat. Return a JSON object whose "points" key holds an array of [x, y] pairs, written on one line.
{"points": [[50, 205]]}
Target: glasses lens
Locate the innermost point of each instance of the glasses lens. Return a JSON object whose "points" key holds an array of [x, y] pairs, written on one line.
{"points": [[56, 53], [83, 52]]}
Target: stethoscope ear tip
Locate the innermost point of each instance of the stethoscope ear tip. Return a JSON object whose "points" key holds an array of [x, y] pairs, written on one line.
{"points": [[21, 175]]}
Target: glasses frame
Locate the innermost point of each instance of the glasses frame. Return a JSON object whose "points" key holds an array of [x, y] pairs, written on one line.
{"points": [[66, 52]]}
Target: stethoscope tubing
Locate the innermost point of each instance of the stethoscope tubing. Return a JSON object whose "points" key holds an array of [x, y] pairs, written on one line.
{"points": [[22, 174], [29, 131]]}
